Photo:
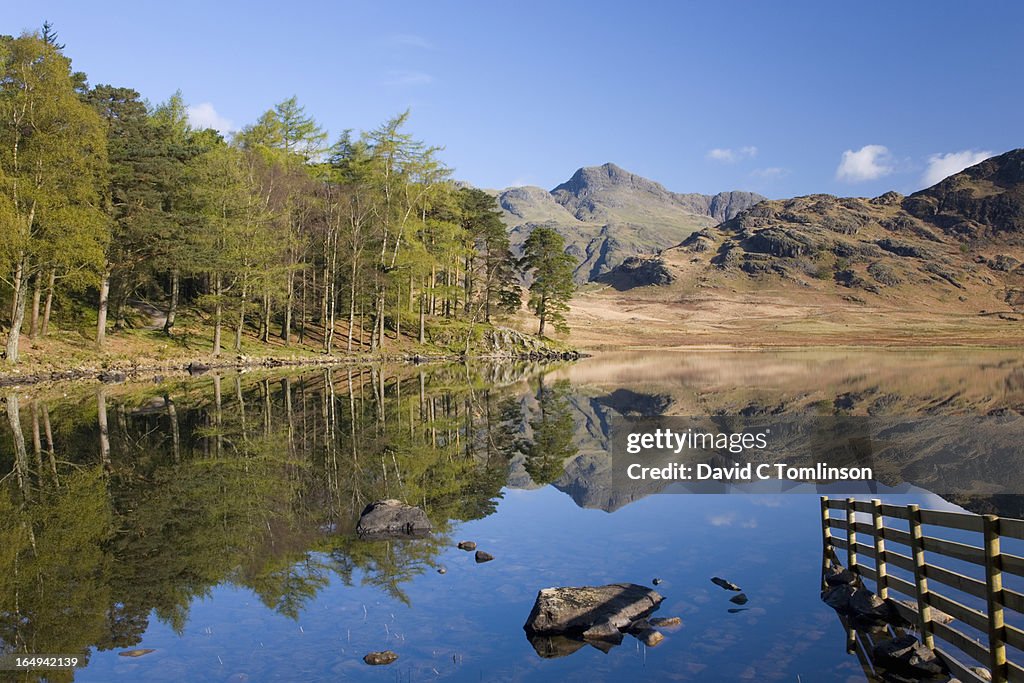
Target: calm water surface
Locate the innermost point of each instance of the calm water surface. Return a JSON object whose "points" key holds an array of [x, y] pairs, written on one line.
{"points": [[212, 521]]}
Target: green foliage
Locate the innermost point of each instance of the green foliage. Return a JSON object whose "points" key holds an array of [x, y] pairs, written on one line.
{"points": [[53, 161], [120, 201]]}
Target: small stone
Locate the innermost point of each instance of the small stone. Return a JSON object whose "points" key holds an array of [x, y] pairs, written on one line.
{"points": [[467, 545], [649, 637], [136, 653], [442, 570], [657, 582], [982, 673], [727, 585], [666, 622], [740, 599], [482, 557], [380, 658]]}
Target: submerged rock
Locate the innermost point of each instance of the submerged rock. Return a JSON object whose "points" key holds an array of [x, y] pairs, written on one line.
{"points": [[740, 599], [649, 637], [727, 585], [482, 557], [575, 610], [837, 575], [392, 518], [136, 653], [864, 608], [666, 622], [554, 646], [380, 658]]}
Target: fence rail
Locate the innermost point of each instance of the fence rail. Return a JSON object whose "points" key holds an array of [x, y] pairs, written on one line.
{"points": [[925, 598]]}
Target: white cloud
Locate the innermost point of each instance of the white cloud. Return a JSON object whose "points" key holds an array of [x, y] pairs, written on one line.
{"points": [[941, 166], [403, 78], [205, 116], [867, 163], [409, 40], [731, 519], [731, 155], [770, 173]]}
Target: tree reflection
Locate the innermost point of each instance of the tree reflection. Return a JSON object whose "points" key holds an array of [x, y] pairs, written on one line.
{"points": [[553, 427], [129, 502]]}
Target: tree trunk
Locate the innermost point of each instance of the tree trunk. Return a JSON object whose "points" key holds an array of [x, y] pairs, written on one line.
{"points": [[265, 327], [18, 272], [37, 295], [218, 310], [302, 310], [352, 305], [286, 326], [18, 316], [48, 307], [241, 318], [101, 312], [423, 328], [172, 306], [542, 314]]}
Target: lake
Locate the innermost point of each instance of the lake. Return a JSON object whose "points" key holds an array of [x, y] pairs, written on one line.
{"points": [[212, 519]]}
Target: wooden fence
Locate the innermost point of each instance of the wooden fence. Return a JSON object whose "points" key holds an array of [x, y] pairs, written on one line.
{"points": [[928, 578]]}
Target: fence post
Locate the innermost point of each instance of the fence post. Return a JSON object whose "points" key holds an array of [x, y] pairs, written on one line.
{"points": [[851, 536], [882, 579], [826, 529], [924, 611], [994, 597]]}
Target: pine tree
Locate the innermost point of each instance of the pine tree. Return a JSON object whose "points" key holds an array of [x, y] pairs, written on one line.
{"points": [[552, 268]]}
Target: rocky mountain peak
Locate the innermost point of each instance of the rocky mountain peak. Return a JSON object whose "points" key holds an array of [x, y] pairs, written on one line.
{"points": [[983, 201]]}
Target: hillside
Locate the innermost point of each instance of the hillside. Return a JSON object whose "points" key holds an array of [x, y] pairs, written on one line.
{"points": [[607, 214], [942, 265]]}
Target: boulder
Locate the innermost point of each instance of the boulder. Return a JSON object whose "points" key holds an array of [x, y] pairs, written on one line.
{"points": [[197, 367], [905, 655], [575, 610], [380, 658], [392, 518]]}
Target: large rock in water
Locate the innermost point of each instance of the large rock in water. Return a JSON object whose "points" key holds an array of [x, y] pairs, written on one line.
{"points": [[392, 518], [590, 608]]}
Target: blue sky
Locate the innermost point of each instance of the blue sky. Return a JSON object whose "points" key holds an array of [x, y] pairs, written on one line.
{"points": [[781, 98]]}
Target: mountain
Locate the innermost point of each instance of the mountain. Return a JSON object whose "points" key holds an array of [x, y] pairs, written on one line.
{"points": [[946, 262], [607, 214]]}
